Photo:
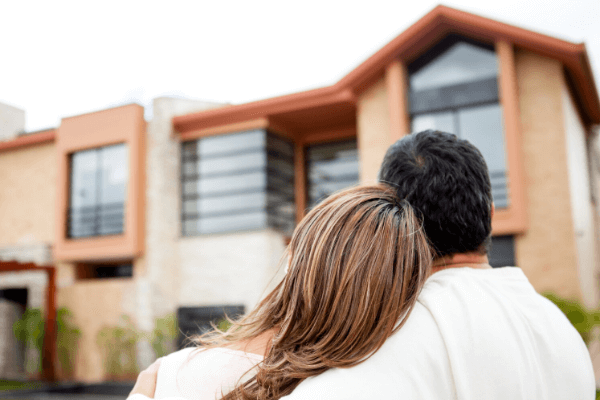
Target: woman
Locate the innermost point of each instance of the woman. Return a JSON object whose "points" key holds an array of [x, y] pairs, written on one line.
{"points": [[356, 264]]}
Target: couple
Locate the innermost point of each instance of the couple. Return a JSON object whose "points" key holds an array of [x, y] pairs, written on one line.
{"points": [[389, 295]]}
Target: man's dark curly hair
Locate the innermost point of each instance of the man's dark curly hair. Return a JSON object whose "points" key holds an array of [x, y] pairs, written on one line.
{"points": [[446, 180]]}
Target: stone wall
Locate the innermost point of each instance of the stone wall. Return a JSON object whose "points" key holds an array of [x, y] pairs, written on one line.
{"points": [[12, 352]]}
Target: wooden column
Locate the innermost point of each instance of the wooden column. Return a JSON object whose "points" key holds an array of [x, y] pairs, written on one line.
{"points": [[49, 349], [396, 81], [299, 179]]}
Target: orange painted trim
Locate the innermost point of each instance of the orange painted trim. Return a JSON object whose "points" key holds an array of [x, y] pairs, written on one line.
{"points": [[300, 180], [281, 129], [263, 108], [396, 82], [123, 124], [329, 135], [514, 219], [407, 46], [258, 123], [444, 20], [32, 139]]}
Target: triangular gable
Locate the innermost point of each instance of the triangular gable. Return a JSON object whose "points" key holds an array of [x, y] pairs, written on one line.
{"points": [[407, 46]]}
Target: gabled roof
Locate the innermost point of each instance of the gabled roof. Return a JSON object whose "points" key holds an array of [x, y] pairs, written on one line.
{"points": [[418, 38]]}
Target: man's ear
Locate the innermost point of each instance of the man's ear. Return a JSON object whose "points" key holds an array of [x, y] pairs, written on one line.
{"points": [[493, 210]]}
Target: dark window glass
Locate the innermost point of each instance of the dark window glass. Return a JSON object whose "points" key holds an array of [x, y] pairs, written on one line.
{"points": [[502, 252], [237, 182], [331, 167], [104, 271], [454, 88], [193, 321], [98, 191]]}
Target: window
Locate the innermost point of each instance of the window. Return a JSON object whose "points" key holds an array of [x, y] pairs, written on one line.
{"points": [[98, 192], [454, 88], [330, 167], [104, 271], [237, 182], [193, 321], [502, 252]]}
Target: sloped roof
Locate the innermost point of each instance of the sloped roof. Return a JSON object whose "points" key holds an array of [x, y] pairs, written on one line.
{"points": [[414, 41]]}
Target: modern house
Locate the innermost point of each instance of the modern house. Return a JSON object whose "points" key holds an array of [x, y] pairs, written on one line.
{"points": [[194, 208]]}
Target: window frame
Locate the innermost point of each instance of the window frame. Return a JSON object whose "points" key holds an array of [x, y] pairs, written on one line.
{"points": [[124, 124], [97, 205], [514, 218], [269, 153]]}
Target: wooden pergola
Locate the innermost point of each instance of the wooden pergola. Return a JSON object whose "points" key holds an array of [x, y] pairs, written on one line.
{"points": [[49, 347]]}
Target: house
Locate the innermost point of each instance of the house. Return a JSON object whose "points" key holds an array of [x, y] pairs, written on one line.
{"points": [[192, 210]]}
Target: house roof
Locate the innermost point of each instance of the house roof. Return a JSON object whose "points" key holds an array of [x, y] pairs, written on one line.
{"points": [[32, 139], [410, 44]]}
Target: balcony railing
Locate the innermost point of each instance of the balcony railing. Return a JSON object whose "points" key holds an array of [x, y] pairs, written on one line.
{"points": [[100, 220]]}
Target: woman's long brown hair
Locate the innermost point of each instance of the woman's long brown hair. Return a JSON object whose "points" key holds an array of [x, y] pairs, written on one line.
{"points": [[357, 263]]}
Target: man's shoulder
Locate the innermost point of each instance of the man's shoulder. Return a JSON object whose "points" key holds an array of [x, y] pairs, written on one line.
{"points": [[399, 369]]}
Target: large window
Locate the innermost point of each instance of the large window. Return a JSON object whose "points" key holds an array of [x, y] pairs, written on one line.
{"points": [[454, 88], [331, 167], [98, 191], [238, 182]]}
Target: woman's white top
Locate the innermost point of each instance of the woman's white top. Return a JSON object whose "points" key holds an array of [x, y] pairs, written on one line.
{"points": [[203, 374]]}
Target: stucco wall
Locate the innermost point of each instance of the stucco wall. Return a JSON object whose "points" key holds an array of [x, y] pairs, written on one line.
{"points": [[581, 199], [547, 252], [229, 269], [27, 205], [373, 130]]}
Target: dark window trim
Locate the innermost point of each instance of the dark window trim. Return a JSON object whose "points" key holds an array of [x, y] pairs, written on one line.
{"points": [[278, 181]]}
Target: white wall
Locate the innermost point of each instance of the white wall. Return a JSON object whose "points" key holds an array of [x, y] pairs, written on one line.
{"points": [[12, 121], [581, 199], [229, 269]]}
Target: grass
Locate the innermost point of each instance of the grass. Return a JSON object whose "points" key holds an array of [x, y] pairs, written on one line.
{"points": [[16, 385]]}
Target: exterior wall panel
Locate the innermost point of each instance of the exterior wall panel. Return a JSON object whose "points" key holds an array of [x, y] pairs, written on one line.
{"points": [[28, 176], [547, 251], [373, 130], [581, 199]]}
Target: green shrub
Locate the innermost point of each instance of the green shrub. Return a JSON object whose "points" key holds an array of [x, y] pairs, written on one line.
{"points": [[67, 341], [163, 335], [29, 329], [583, 320], [118, 345]]}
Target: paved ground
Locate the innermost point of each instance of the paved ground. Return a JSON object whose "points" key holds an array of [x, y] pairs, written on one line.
{"points": [[64, 396]]}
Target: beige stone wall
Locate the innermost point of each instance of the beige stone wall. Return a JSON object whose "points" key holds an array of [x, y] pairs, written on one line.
{"points": [[95, 304], [12, 352], [547, 252], [582, 209], [373, 130], [229, 269], [28, 176]]}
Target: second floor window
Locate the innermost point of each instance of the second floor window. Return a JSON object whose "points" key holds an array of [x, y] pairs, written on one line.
{"points": [[237, 182], [454, 88], [331, 167], [98, 192]]}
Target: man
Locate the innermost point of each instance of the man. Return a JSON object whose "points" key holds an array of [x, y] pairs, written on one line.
{"points": [[476, 332]]}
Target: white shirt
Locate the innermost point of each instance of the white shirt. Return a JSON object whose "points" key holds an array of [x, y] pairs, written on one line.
{"points": [[202, 374], [474, 334]]}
